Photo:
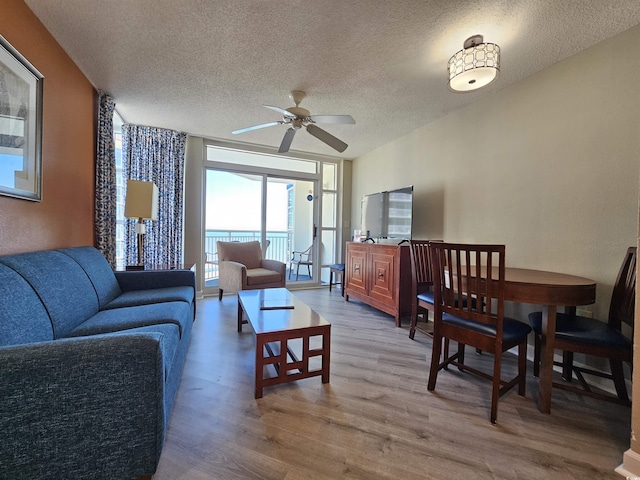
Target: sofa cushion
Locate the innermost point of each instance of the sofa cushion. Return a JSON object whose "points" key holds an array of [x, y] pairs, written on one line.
{"points": [[23, 318], [156, 295], [247, 253], [98, 270], [170, 339], [117, 319], [262, 276], [62, 285]]}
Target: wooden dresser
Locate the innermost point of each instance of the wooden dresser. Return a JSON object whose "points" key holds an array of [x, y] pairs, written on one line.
{"points": [[380, 276]]}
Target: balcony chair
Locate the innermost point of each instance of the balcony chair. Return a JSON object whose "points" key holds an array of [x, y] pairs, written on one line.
{"points": [[577, 334], [301, 258], [242, 267], [475, 271], [211, 260]]}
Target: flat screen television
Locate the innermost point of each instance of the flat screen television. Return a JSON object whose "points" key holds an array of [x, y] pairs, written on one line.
{"points": [[388, 214]]}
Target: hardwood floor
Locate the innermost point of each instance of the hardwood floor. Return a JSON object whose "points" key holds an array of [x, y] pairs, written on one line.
{"points": [[375, 419]]}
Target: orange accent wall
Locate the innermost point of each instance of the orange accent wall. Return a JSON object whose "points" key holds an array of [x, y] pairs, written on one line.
{"points": [[64, 217]]}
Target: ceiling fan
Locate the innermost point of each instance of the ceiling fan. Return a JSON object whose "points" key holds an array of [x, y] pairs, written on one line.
{"points": [[298, 117]]}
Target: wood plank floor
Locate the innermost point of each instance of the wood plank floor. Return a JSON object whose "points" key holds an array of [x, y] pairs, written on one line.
{"points": [[375, 419]]}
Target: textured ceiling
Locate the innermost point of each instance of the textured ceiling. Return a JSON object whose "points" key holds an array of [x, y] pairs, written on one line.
{"points": [[206, 67]]}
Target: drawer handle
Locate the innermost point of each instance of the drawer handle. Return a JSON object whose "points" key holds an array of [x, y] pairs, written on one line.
{"points": [[356, 268], [380, 275]]}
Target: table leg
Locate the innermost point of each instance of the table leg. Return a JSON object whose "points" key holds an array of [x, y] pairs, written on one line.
{"points": [[239, 315], [567, 357], [326, 356], [546, 364], [259, 366]]}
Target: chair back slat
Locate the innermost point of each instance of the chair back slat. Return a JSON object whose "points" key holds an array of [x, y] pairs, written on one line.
{"points": [[421, 261], [469, 281], [623, 299]]}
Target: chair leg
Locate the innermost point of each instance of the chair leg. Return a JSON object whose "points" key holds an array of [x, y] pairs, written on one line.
{"points": [[414, 320], [446, 351], [309, 270], [495, 391], [220, 294], [536, 355], [460, 356], [618, 379], [435, 361], [567, 366], [330, 279], [290, 270], [297, 271], [522, 368]]}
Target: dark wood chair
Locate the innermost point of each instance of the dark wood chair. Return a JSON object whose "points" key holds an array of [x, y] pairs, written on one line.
{"points": [[301, 258], [477, 272], [589, 336], [421, 283], [337, 269]]}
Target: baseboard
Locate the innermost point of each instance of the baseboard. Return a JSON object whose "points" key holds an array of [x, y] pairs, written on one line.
{"points": [[630, 467]]}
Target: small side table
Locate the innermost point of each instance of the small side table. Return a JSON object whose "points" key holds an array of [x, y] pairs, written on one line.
{"points": [[338, 269]]}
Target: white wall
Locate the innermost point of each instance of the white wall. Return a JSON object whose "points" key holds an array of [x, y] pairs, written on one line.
{"points": [[548, 166]]}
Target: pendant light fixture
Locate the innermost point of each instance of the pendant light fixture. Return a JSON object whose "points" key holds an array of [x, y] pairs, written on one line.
{"points": [[475, 66]]}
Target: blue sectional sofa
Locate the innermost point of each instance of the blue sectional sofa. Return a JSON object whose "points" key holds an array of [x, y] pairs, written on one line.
{"points": [[90, 361]]}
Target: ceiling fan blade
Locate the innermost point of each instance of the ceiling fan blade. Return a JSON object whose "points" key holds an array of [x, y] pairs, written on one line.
{"points": [[280, 110], [327, 138], [343, 119], [286, 140], [256, 127]]}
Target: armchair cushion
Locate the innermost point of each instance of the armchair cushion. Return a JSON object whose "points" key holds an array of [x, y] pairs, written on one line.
{"points": [[262, 276], [247, 253]]}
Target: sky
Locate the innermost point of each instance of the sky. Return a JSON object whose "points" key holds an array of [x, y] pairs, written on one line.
{"points": [[233, 202], [8, 166]]}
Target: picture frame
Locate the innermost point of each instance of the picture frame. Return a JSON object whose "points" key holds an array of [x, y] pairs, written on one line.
{"points": [[21, 89]]}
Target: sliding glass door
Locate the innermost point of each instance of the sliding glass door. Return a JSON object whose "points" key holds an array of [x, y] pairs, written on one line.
{"points": [[275, 210]]}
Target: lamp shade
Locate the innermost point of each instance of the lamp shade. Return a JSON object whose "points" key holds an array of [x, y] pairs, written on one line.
{"points": [[141, 200], [475, 66]]}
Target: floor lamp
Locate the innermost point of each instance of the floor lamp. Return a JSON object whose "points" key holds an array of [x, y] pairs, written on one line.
{"points": [[141, 203]]}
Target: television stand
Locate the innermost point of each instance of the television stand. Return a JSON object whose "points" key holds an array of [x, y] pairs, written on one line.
{"points": [[380, 276]]}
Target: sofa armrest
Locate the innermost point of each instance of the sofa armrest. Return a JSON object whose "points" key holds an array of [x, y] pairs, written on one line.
{"points": [[76, 408], [276, 266], [149, 279]]}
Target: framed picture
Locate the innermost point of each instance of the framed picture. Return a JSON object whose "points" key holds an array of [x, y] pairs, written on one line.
{"points": [[20, 125]]}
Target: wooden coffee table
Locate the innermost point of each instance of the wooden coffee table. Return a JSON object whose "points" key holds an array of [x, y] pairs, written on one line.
{"points": [[279, 319]]}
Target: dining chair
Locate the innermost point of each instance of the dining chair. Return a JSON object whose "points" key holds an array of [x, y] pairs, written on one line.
{"points": [[421, 283], [589, 336], [476, 272], [301, 258]]}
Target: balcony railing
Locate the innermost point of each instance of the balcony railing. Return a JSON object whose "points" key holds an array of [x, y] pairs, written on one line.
{"points": [[278, 248]]}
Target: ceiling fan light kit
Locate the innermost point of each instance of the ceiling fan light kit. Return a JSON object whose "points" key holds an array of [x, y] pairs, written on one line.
{"points": [[298, 117], [475, 66]]}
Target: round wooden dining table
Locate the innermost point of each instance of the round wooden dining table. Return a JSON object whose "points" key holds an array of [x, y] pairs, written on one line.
{"points": [[551, 290]]}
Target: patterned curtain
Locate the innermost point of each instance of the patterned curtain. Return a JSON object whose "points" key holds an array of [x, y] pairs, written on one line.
{"points": [[157, 155], [105, 208]]}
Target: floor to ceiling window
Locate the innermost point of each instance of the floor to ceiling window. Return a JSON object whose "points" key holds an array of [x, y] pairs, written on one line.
{"points": [[288, 205]]}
